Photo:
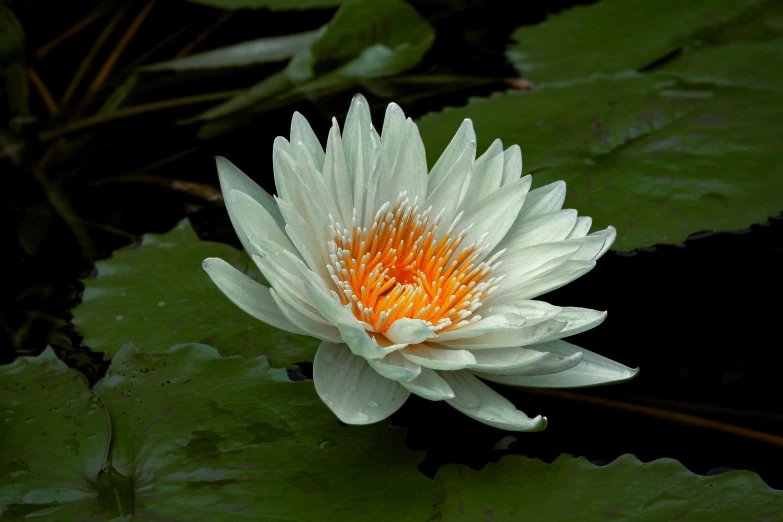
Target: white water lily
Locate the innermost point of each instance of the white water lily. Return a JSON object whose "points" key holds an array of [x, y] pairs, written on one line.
{"points": [[415, 282]]}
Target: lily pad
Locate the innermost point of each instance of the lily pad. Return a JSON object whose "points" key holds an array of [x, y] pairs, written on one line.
{"points": [[54, 440], [572, 489], [158, 295], [195, 436], [654, 156], [748, 53], [633, 35]]}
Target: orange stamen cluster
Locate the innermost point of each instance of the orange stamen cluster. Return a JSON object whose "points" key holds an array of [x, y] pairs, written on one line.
{"points": [[402, 267]]}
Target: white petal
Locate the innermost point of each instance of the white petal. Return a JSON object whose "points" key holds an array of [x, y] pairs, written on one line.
{"points": [[581, 228], [543, 228], [512, 164], [528, 264], [396, 367], [409, 167], [439, 358], [446, 196], [523, 361], [252, 297], [302, 132], [409, 331], [355, 392], [283, 169], [289, 287], [561, 276], [358, 149], [486, 176], [429, 385], [255, 220], [461, 141], [479, 401], [391, 134], [325, 332], [510, 338], [533, 312], [493, 216], [593, 370], [578, 320], [335, 175], [609, 234], [494, 323], [544, 199], [312, 180], [231, 178], [301, 235]]}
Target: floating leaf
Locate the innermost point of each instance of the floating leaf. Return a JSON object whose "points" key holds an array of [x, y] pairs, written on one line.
{"points": [[274, 5], [263, 50], [574, 490], [365, 39], [657, 159], [195, 436], [632, 35], [749, 53], [53, 443], [158, 295]]}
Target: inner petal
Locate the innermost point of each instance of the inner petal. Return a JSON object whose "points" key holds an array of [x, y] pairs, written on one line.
{"points": [[406, 266]]}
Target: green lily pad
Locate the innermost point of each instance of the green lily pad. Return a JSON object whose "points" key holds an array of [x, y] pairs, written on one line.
{"points": [[632, 35], [657, 158], [158, 295], [748, 53], [574, 490], [53, 442], [229, 438], [274, 5]]}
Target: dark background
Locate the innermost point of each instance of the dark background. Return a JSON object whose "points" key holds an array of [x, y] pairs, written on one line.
{"points": [[701, 319]]}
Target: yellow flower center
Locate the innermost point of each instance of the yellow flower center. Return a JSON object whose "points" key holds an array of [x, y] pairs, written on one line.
{"points": [[402, 266]]}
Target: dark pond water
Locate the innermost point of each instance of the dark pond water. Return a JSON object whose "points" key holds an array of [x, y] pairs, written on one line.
{"points": [[701, 320]]}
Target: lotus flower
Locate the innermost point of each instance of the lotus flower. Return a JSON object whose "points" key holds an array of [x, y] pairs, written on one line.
{"points": [[415, 282]]}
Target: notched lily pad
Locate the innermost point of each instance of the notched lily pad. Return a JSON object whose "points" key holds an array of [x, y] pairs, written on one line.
{"points": [[574, 490], [158, 295], [655, 156], [54, 440]]}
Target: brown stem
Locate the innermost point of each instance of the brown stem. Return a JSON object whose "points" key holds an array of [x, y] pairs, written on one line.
{"points": [[658, 413], [188, 48], [81, 24], [51, 105]]}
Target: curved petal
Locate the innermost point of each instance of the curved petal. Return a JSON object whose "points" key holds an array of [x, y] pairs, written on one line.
{"points": [[522, 361], [429, 385], [493, 215], [544, 199], [439, 358], [543, 228], [577, 320], [445, 197], [301, 132], [252, 297], [231, 178], [409, 331], [396, 367], [533, 312], [335, 174], [487, 174], [494, 323], [512, 164], [409, 167], [479, 401], [324, 332], [355, 392], [358, 149], [255, 220], [510, 338], [561, 276], [581, 227], [593, 370], [455, 149], [391, 133]]}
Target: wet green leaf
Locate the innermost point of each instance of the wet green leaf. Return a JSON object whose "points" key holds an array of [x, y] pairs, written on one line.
{"points": [[656, 158], [158, 295], [274, 5], [263, 50], [230, 439], [574, 490], [53, 443], [365, 39], [615, 35], [748, 53]]}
